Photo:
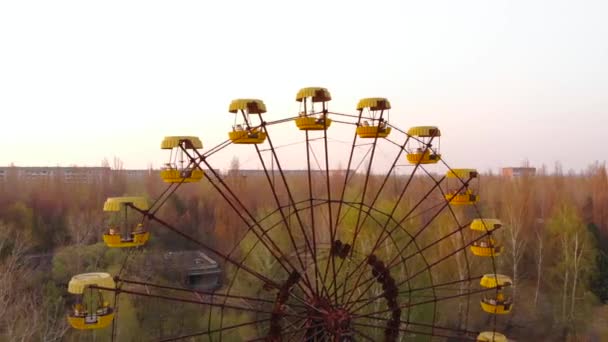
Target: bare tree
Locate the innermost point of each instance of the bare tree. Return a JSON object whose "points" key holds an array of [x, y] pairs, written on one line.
{"points": [[15, 300], [518, 216], [539, 238]]}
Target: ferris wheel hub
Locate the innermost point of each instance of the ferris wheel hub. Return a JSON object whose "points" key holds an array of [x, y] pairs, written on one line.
{"points": [[337, 321], [327, 319]]}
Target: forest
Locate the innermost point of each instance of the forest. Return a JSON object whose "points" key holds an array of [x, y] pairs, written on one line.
{"points": [[555, 238]]}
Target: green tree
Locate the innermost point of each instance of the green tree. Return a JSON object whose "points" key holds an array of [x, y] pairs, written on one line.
{"points": [[599, 279], [573, 249]]}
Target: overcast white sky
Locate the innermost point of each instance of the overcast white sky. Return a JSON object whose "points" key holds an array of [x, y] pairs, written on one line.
{"points": [[505, 80]]}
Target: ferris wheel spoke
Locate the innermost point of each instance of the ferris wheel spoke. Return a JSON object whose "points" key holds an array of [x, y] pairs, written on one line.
{"points": [[494, 268], [117, 294], [207, 247], [352, 116], [217, 148], [214, 331], [419, 251], [403, 262], [290, 332], [359, 224], [285, 331], [447, 256], [381, 107], [160, 200], [199, 292], [434, 326], [280, 209], [377, 222], [332, 228], [432, 244], [360, 333], [383, 184], [172, 187], [270, 227], [466, 256], [440, 286], [344, 122], [430, 301], [235, 274], [406, 280], [115, 320], [478, 213], [320, 335], [281, 257], [437, 287], [402, 195], [418, 332], [382, 236], [351, 205], [186, 300], [396, 144], [295, 321], [339, 219], [312, 215], [413, 238], [442, 205], [333, 231], [425, 269], [292, 202], [280, 121]]}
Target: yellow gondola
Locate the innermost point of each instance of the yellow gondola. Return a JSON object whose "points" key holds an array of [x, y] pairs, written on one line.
{"points": [[461, 192], [245, 131], [179, 169], [378, 127], [499, 303], [491, 336], [309, 119], [101, 314], [486, 247], [419, 148], [138, 236]]}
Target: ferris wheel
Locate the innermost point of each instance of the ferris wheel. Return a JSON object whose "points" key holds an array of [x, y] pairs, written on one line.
{"points": [[373, 237]]}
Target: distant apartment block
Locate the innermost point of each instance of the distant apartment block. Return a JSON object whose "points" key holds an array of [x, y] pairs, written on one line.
{"points": [[88, 175], [71, 174], [134, 174], [518, 171], [290, 172]]}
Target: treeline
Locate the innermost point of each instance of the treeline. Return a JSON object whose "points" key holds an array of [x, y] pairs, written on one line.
{"points": [[556, 251], [555, 237], [51, 230]]}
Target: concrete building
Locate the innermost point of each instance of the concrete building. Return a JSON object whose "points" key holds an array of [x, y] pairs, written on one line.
{"points": [[195, 269], [518, 171]]}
